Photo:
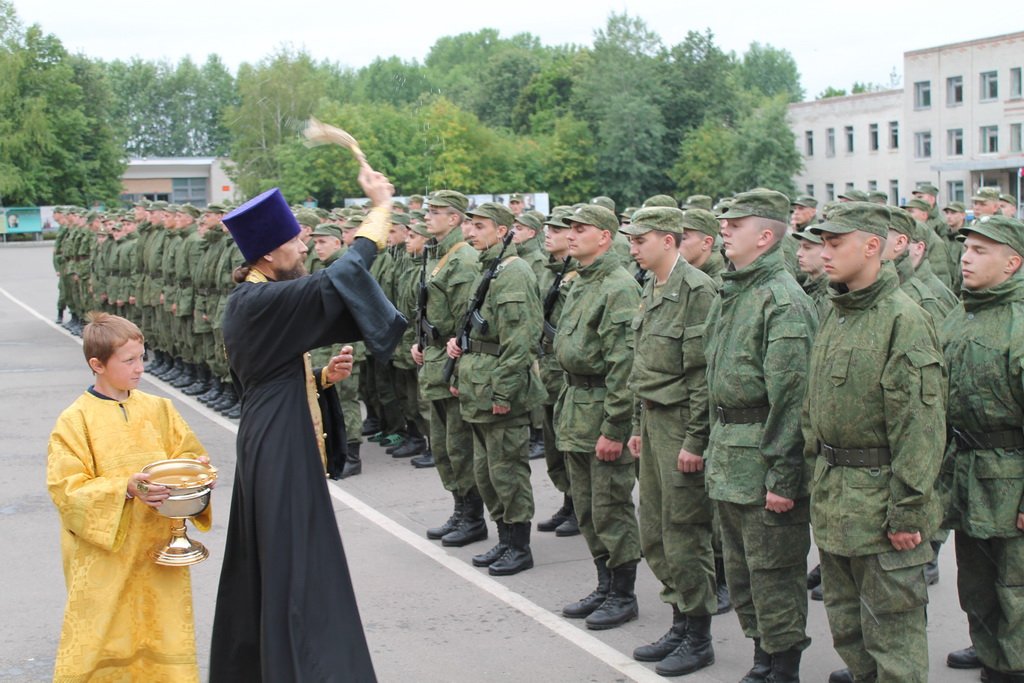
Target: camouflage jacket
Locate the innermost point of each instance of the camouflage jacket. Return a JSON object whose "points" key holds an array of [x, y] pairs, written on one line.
{"points": [[919, 292], [550, 371]]}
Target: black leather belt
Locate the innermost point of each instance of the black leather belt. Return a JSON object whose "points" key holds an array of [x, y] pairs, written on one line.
{"points": [[973, 441], [484, 347], [876, 456], [585, 381], [741, 416]]}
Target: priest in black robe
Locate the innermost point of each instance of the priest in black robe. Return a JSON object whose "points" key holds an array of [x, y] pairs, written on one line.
{"points": [[286, 609]]}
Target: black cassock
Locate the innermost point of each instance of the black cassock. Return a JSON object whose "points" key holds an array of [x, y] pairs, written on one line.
{"points": [[286, 610]]}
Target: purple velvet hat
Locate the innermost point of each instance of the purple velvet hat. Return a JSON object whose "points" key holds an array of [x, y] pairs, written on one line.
{"points": [[262, 224]]}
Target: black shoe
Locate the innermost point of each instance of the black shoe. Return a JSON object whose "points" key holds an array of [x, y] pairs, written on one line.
{"points": [[814, 577], [423, 461], [584, 607], [762, 665], [840, 676], [663, 647], [187, 378], [370, 426], [966, 658], [437, 533], [620, 606], [175, 372], [560, 515], [517, 557], [786, 666], [353, 464], [693, 653], [721, 588], [408, 449], [536, 444], [570, 527], [471, 528], [818, 593], [491, 556], [227, 398], [235, 413], [216, 389]]}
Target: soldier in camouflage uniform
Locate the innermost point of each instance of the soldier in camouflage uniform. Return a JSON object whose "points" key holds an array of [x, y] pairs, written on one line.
{"points": [[204, 282], [409, 267], [874, 428], [757, 346], [497, 386], [670, 432], [700, 232], [527, 240], [935, 252], [903, 230], [983, 472], [594, 346], [450, 274], [808, 257], [226, 401]]}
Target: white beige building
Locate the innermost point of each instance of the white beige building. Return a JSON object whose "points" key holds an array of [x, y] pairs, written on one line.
{"points": [[956, 123], [180, 180]]}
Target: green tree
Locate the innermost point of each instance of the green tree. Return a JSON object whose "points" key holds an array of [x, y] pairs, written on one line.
{"points": [[392, 81], [550, 93], [570, 164], [771, 71], [701, 167], [765, 153], [831, 91]]}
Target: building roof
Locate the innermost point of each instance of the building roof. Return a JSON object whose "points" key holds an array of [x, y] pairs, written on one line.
{"points": [[1019, 35]]}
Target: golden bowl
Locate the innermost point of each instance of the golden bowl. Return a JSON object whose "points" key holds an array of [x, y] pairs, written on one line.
{"points": [[189, 482]]}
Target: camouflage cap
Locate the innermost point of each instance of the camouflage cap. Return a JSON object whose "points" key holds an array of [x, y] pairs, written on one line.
{"points": [[807, 236], [660, 218], [660, 200], [190, 210], [854, 195], [1002, 229], [215, 208], [419, 229], [449, 199], [698, 201], [399, 218], [986, 194], [701, 221], [399, 206], [1008, 198], [606, 202], [159, 205], [515, 197], [761, 203], [955, 207], [529, 220], [307, 217], [557, 218], [805, 200], [417, 214], [322, 213], [722, 206], [352, 222], [598, 216], [916, 203], [565, 208], [415, 198], [902, 222], [852, 216], [496, 212], [327, 230], [878, 197], [926, 188], [628, 212]]}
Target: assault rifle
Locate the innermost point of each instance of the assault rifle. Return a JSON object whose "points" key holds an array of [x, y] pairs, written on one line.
{"points": [[547, 335], [426, 333]]}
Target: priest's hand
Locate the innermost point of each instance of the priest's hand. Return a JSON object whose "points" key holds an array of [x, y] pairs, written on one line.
{"points": [[376, 186], [340, 367], [139, 488]]}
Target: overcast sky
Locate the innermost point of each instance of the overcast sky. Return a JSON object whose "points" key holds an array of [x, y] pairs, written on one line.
{"points": [[831, 46]]}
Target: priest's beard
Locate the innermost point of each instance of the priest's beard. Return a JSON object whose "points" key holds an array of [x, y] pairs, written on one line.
{"points": [[293, 273]]}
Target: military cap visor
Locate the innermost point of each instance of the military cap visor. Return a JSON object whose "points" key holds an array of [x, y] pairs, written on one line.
{"points": [[495, 212], [660, 218], [926, 188], [593, 214], [805, 200], [853, 216], [761, 203], [807, 236], [1001, 229]]}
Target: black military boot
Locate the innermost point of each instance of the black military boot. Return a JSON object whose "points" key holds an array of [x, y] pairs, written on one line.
{"points": [[175, 372], [371, 425], [570, 527], [438, 532], [840, 676], [492, 555], [472, 526], [213, 393], [156, 361], [408, 448], [353, 464], [160, 365], [517, 557], [620, 606], [560, 515], [762, 665], [931, 570], [693, 653], [584, 607], [202, 383], [234, 412], [663, 647], [423, 461], [786, 667], [536, 443], [721, 587], [188, 378], [814, 577], [966, 658], [227, 398]]}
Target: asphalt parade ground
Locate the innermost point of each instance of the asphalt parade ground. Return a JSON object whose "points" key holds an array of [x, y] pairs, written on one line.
{"points": [[429, 615]]}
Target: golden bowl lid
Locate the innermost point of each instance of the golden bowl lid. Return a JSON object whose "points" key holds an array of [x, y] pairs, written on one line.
{"points": [[180, 473]]}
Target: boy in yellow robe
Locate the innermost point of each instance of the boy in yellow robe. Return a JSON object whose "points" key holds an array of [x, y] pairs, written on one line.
{"points": [[126, 618]]}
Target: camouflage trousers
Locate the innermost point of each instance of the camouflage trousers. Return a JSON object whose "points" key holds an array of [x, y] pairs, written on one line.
{"points": [[451, 442], [554, 458], [602, 494], [876, 612], [765, 557], [501, 465], [675, 515], [348, 396], [414, 408], [990, 580]]}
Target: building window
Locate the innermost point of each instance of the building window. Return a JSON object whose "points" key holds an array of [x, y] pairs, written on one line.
{"points": [[830, 142], [873, 137], [922, 95], [955, 190], [830, 192], [872, 185], [849, 186], [955, 142], [989, 86], [989, 136], [894, 192], [954, 91], [1015, 82], [189, 191], [849, 139], [1015, 134], [809, 143], [923, 145], [894, 135], [809, 189]]}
